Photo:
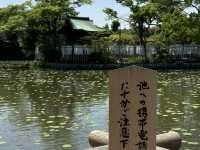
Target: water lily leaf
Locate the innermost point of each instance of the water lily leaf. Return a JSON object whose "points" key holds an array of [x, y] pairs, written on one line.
{"points": [[49, 122], [43, 112], [45, 134], [2, 142], [66, 117], [52, 130], [16, 112], [28, 119], [55, 127], [187, 133], [62, 123], [176, 129], [60, 116], [193, 143], [67, 146], [193, 129], [52, 116], [183, 130], [195, 107], [183, 141]]}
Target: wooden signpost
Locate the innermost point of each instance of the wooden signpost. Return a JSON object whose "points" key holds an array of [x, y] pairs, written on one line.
{"points": [[132, 109]]}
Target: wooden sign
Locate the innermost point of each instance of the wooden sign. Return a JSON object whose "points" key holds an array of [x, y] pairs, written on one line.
{"points": [[132, 109]]}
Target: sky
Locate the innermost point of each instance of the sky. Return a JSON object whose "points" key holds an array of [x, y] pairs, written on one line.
{"points": [[94, 11]]}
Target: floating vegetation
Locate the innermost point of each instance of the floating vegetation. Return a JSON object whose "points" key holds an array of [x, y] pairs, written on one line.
{"points": [[55, 127], [52, 117], [63, 123], [45, 134], [193, 129], [192, 143], [66, 145], [176, 129], [59, 104], [2, 142], [49, 122], [187, 133]]}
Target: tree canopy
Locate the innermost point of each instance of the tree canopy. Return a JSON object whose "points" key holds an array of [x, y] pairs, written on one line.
{"points": [[32, 25], [163, 21]]}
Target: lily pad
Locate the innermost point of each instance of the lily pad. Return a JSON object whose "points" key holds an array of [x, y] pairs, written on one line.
{"points": [[45, 134], [49, 122], [193, 143], [52, 117], [28, 120], [187, 133], [67, 146], [2, 142]]}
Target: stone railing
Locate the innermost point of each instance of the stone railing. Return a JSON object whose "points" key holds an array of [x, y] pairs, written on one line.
{"points": [[168, 141]]}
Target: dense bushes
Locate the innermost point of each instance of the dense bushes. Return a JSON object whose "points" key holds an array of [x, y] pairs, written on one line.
{"points": [[10, 51]]}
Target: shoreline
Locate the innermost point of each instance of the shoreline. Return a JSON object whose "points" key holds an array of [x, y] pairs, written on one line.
{"points": [[65, 66], [59, 66]]}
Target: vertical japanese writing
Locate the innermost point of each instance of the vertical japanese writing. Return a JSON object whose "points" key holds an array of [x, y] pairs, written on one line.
{"points": [[124, 122], [142, 86]]}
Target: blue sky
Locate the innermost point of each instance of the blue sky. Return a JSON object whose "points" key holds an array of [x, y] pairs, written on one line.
{"points": [[96, 14], [94, 11]]}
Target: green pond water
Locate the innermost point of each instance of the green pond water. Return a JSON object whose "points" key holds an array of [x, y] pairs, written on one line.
{"points": [[55, 110]]}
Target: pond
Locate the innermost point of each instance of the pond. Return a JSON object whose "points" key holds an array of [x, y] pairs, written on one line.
{"points": [[56, 110]]}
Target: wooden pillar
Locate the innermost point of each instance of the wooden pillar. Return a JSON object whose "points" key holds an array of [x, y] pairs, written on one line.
{"points": [[132, 109]]}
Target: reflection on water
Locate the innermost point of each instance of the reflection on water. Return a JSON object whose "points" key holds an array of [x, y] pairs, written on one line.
{"points": [[56, 110], [178, 105], [50, 110]]}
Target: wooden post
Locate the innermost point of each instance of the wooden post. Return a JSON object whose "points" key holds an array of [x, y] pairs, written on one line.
{"points": [[132, 109]]}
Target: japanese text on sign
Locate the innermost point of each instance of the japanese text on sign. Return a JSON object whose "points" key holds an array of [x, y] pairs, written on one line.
{"points": [[142, 115], [124, 122]]}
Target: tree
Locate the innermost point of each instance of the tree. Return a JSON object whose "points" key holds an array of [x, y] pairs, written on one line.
{"points": [[141, 18], [106, 27], [47, 18], [13, 24], [125, 38], [115, 25], [12, 21], [175, 28], [37, 25]]}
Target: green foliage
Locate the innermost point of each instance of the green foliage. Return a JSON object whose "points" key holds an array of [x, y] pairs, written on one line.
{"points": [[105, 57], [106, 27], [123, 38], [101, 51], [162, 56], [162, 22], [140, 19], [175, 28], [135, 59], [37, 25], [115, 25], [194, 29], [12, 21], [110, 13]]}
